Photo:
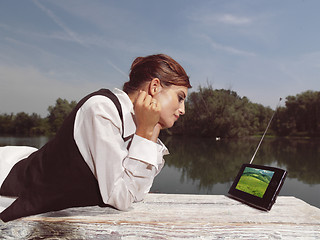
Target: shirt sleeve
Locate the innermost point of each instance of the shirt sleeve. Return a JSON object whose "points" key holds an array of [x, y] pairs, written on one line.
{"points": [[124, 175], [9, 156]]}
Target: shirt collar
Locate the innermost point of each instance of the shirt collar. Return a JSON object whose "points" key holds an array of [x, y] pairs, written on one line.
{"points": [[127, 111], [128, 114]]}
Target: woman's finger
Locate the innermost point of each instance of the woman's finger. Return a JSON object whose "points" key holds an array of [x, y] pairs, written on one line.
{"points": [[147, 100], [153, 103], [141, 97]]}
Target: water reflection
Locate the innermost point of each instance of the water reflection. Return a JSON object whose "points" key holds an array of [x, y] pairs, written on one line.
{"points": [[208, 166], [213, 161], [23, 141], [299, 157]]}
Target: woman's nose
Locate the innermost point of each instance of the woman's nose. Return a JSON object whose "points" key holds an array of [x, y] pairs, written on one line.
{"points": [[182, 109]]}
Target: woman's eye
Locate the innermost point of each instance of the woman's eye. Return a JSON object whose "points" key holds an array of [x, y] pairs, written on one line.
{"points": [[181, 99]]}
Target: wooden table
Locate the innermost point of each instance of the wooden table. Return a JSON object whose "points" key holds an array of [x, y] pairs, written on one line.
{"points": [[174, 216]]}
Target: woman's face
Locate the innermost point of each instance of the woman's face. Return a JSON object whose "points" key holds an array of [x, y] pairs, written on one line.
{"points": [[172, 104]]}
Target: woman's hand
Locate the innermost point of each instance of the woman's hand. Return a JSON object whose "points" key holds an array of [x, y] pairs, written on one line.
{"points": [[147, 113]]}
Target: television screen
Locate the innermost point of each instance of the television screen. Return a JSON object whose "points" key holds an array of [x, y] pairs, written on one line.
{"points": [[254, 181], [257, 185]]}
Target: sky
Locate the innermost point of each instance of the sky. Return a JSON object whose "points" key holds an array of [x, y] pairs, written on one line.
{"points": [[50, 49]]}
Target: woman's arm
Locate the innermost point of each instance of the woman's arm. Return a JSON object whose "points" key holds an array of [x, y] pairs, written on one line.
{"points": [[124, 175]]}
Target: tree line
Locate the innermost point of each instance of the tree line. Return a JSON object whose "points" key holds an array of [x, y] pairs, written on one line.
{"points": [[209, 113], [300, 116], [223, 113], [33, 124]]}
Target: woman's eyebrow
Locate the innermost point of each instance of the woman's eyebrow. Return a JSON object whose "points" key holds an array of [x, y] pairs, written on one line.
{"points": [[183, 93]]}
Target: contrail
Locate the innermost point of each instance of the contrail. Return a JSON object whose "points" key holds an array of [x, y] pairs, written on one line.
{"points": [[59, 22], [116, 68], [225, 48], [72, 34]]}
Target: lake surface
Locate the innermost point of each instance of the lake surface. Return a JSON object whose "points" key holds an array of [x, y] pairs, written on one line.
{"points": [[207, 166]]}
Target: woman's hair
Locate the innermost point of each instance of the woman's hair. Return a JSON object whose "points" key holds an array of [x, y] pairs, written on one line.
{"points": [[161, 66]]}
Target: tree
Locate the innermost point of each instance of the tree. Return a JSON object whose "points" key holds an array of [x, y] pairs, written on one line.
{"points": [[6, 124], [301, 115], [41, 125], [221, 113], [59, 112], [23, 123], [282, 124]]}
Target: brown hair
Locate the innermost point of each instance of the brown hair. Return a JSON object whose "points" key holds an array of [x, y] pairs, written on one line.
{"points": [[161, 66]]}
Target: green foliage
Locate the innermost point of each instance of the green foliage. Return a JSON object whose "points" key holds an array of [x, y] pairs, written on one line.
{"points": [[23, 124], [59, 112], [6, 124], [221, 113], [209, 112], [300, 116], [31, 125]]}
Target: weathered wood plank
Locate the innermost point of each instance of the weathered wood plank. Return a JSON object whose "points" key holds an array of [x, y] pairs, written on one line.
{"points": [[170, 216]]}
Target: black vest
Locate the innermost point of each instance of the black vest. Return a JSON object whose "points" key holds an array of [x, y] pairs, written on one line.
{"points": [[56, 176]]}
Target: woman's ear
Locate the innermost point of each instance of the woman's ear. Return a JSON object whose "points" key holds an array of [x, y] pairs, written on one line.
{"points": [[154, 86]]}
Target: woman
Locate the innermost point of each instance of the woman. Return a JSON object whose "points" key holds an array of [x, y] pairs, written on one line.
{"points": [[107, 151]]}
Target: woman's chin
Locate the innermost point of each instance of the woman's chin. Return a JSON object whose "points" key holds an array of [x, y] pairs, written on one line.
{"points": [[166, 125]]}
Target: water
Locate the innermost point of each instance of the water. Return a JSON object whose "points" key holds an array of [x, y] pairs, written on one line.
{"points": [[207, 166], [24, 141]]}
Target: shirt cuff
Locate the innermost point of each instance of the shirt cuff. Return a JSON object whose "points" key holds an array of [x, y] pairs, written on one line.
{"points": [[147, 151]]}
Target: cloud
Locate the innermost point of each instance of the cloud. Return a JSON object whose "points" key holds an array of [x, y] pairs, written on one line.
{"points": [[51, 15], [233, 20], [218, 19], [99, 14], [29, 90], [302, 71], [73, 36], [225, 48]]}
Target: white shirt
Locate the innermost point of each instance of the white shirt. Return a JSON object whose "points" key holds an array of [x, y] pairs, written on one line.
{"points": [[124, 171]]}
